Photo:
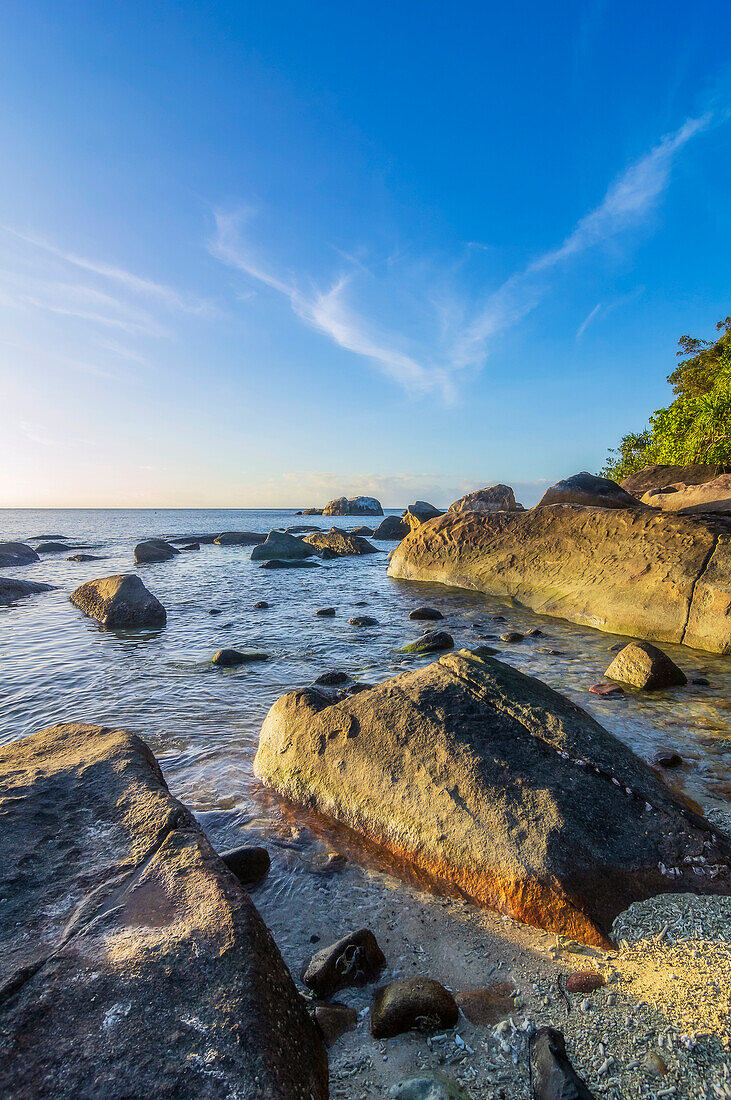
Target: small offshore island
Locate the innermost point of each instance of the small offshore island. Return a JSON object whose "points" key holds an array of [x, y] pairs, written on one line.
{"points": [[577, 937]]}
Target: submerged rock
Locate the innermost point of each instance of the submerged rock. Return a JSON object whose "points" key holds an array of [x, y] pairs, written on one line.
{"points": [[340, 543], [552, 1075], [132, 960], [284, 563], [239, 538], [154, 550], [52, 547], [278, 545], [83, 557], [433, 641], [12, 590], [607, 691], [120, 603], [391, 529], [354, 506], [495, 498], [336, 678], [489, 780], [590, 491], [363, 620], [325, 612], [644, 666], [249, 863], [261, 605], [353, 960], [16, 553], [632, 571], [230, 658], [426, 614], [412, 1003]]}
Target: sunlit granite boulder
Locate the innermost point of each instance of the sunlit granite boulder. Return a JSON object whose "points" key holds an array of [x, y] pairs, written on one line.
{"points": [[657, 477], [589, 490], [633, 571], [712, 497], [119, 603], [495, 498], [16, 553], [354, 506], [341, 543], [492, 782], [132, 962]]}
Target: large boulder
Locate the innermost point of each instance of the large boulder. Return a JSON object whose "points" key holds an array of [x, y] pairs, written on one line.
{"points": [[154, 550], [492, 782], [279, 545], [712, 497], [495, 498], [589, 490], [353, 506], [657, 477], [119, 603], [133, 964], [638, 572], [392, 529], [239, 538], [12, 590], [16, 553], [341, 543]]}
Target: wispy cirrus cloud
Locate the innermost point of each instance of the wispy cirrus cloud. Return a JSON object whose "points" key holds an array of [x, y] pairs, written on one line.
{"points": [[461, 330]]}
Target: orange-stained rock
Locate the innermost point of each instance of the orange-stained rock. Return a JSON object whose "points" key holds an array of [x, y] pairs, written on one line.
{"points": [[488, 780]]}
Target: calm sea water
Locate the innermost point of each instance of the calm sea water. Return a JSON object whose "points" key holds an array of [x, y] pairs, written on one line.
{"points": [[203, 723]]}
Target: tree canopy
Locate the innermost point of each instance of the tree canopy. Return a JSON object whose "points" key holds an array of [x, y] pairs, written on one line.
{"points": [[696, 426]]}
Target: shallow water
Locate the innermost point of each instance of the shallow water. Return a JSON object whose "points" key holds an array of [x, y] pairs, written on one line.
{"points": [[203, 722]]}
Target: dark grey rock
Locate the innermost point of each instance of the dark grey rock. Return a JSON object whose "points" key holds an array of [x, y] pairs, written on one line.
{"points": [[355, 959], [425, 613], [325, 612], [281, 546], [412, 1003], [433, 641], [248, 863], [363, 620], [240, 538], [16, 553], [230, 658], [333, 1020], [392, 529], [154, 550], [280, 563], [552, 1075], [119, 603], [12, 590], [261, 605]]}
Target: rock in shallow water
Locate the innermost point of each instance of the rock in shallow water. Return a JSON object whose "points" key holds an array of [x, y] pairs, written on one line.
{"points": [[420, 1003], [352, 960], [279, 546], [425, 614], [135, 959], [644, 666], [248, 863], [119, 603], [16, 553], [340, 543], [489, 780], [363, 620], [391, 529], [431, 642], [154, 550], [12, 590], [230, 658], [281, 563]]}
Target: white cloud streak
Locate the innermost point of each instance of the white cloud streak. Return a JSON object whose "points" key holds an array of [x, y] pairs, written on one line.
{"points": [[465, 343]]}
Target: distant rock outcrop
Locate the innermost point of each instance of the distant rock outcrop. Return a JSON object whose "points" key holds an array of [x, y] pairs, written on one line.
{"points": [[657, 477], [489, 780], [353, 506], [495, 498], [132, 962], [239, 538], [590, 491], [633, 571], [119, 603]]}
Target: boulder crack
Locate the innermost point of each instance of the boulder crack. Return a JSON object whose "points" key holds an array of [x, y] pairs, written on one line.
{"points": [[701, 573]]}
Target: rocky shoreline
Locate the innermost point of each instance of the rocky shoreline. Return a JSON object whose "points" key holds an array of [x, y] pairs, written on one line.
{"points": [[138, 961]]}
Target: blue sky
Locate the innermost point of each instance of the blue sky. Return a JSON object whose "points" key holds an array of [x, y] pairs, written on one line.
{"points": [[260, 255]]}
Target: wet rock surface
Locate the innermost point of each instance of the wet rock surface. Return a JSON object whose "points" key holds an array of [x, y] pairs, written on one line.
{"points": [[12, 590], [645, 666], [433, 641], [249, 863], [354, 959], [278, 545], [231, 658], [16, 553], [154, 550], [408, 1003], [132, 961], [519, 779], [426, 614], [239, 538], [392, 528], [119, 603]]}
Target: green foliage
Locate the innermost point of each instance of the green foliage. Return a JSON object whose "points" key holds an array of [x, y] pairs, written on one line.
{"points": [[696, 427]]}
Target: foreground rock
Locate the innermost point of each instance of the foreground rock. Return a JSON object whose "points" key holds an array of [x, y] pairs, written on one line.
{"points": [[132, 963], [589, 490], [552, 1075], [392, 528], [713, 497], [16, 553], [355, 506], [340, 543], [490, 781], [354, 960], [495, 498], [279, 546], [644, 666], [239, 538], [638, 572], [412, 1003], [154, 550], [248, 863], [12, 590], [119, 603], [657, 477]]}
